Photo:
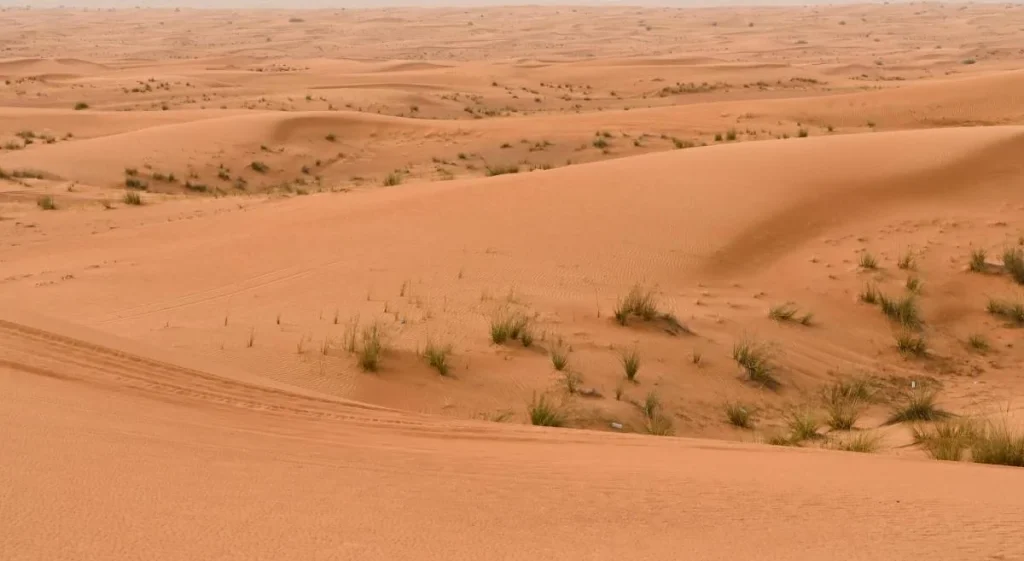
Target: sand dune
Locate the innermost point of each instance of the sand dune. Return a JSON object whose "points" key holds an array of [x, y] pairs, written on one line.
{"points": [[209, 218]]}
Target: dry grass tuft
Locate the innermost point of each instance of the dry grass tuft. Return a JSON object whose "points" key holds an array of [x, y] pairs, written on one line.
{"points": [[545, 413], [739, 415], [919, 405], [755, 358], [437, 357]]}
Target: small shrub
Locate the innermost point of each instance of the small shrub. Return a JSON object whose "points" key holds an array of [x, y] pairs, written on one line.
{"points": [[901, 310], [651, 405], [502, 170], [630, 363], [789, 312], [81, 105], [906, 261], [135, 183], [600, 143], [437, 357], [559, 357], [946, 440], [1000, 445], [870, 294], [842, 410], [1013, 262], [803, 425], [526, 336], [543, 413], [978, 264], [196, 187], [392, 179], [909, 343], [660, 425], [330, 137], [637, 302], [46, 202], [718, 137], [572, 381], [863, 442], [868, 261], [756, 361], [259, 166], [738, 415], [918, 405], [372, 348], [132, 198], [802, 133], [1010, 311], [978, 342], [730, 135], [914, 285], [507, 325]]}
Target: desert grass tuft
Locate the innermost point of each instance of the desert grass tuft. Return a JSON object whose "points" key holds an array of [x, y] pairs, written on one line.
{"points": [[909, 343], [906, 261], [660, 425], [844, 401], [739, 415], [572, 381], [867, 261], [802, 425], [1013, 262], [870, 294], [914, 285], [392, 179], [756, 361], [789, 312], [863, 442], [637, 302], [559, 356], [132, 198], [946, 440], [978, 343], [630, 363], [437, 357], [902, 310], [1010, 311], [978, 264], [372, 348], [919, 405], [544, 413], [998, 444], [46, 202]]}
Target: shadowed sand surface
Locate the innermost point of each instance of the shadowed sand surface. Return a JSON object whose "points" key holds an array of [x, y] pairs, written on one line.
{"points": [[177, 378]]}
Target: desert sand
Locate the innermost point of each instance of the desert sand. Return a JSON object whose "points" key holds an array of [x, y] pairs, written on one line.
{"points": [[206, 215]]}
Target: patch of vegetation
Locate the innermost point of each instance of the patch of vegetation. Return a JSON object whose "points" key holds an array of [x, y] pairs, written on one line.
{"points": [[259, 167], [909, 343], [196, 187], [1010, 311], [135, 183], [544, 413], [789, 312], [903, 310], [803, 426], [978, 264], [739, 415], [802, 133], [660, 425], [870, 294], [1000, 445], [843, 404], [600, 143], [637, 302], [46, 202], [392, 179], [507, 325], [906, 261], [730, 135], [863, 442], [501, 170], [919, 405], [132, 198], [437, 357], [1013, 262], [372, 348], [559, 357], [914, 285], [572, 381], [978, 342], [81, 105], [330, 137], [756, 361], [867, 261], [630, 363], [946, 440]]}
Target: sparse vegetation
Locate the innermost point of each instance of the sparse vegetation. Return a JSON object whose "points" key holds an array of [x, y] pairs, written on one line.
{"points": [[730, 135], [572, 381], [902, 310], [870, 294], [802, 425], [789, 312], [755, 359], [978, 264], [914, 285], [46, 202], [372, 348], [502, 169], [948, 439], [132, 198], [559, 357], [738, 415], [545, 414], [867, 261], [909, 343], [1010, 311], [506, 325], [630, 363], [843, 404], [81, 105], [863, 442], [135, 183], [259, 167], [1013, 263], [998, 444], [392, 179], [906, 261], [637, 302], [978, 342], [918, 405], [330, 137], [437, 357]]}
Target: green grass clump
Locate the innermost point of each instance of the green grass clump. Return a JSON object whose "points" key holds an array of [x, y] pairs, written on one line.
{"points": [[802, 425], [843, 402], [637, 302], [372, 348], [259, 167], [1010, 311], [501, 170], [870, 294], [946, 440], [132, 198], [739, 415], [909, 343], [630, 363], [600, 143], [46, 202], [544, 413], [978, 264], [868, 261], [1013, 262], [437, 357], [918, 405], [559, 357], [998, 444], [789, 312], [507, 325], [978, 342], [755, 359], [901, 310]]}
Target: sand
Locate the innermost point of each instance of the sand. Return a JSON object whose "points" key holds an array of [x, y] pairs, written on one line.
{"points": [[177, 379]]}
